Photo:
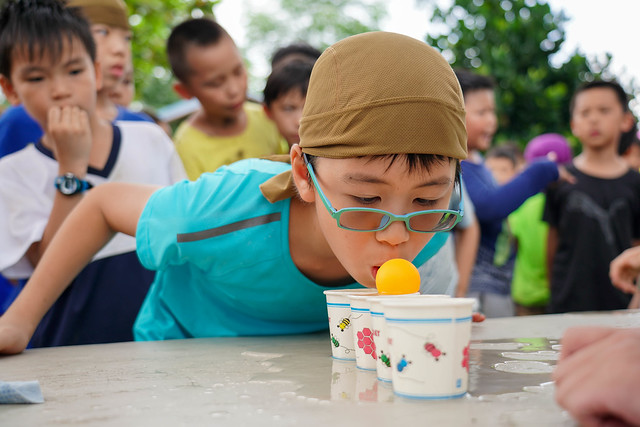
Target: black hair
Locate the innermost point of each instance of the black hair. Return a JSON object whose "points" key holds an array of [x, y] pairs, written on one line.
{"points": [[413, 161], [38, 28], [287, 77], [623, 99], [200, 32], [470, 81], [629, 138], [294, 51], [503, 152]]}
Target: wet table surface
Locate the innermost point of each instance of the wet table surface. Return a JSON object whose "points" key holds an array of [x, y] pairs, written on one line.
{"points": [[290, 380]]}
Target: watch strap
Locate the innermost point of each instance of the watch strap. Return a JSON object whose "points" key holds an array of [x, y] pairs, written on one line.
{"points": [[69, 184]]}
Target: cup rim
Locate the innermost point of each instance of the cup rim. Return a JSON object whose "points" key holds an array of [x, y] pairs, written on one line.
{"points": [[380, 298], [347, 291], [362, 297], [430, 302]]}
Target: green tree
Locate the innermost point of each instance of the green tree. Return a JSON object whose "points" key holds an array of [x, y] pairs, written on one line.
{"points": [[319, 23], [514, 41], [151, 22]]}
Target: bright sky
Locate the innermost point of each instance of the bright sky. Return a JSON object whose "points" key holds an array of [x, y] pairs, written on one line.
{"points": [[593, 29]]}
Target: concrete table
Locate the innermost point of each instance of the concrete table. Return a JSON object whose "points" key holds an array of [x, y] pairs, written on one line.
{"points": [[289, 381]]}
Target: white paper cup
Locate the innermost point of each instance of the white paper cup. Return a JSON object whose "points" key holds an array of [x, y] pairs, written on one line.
{"points": [[378, 323], [363, 339], [339, 312], [429, 346]]}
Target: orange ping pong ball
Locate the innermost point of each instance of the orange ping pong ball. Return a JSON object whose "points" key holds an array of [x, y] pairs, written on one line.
{"points": [[396, 277]]}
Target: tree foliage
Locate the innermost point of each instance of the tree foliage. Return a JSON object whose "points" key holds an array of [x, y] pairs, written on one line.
{"points": [[151, 22], [319, 23], [514, 42]]}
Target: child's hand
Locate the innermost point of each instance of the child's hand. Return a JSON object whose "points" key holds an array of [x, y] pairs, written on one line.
{"points": [[564, 175], [71, 134], [598, 375], [13, 339], [478, 317], [624, 270]]}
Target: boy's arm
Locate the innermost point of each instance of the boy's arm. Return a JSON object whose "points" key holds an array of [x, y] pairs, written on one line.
{"points": [[493, 202], [109, 208], [467, 241], [69, 132]]}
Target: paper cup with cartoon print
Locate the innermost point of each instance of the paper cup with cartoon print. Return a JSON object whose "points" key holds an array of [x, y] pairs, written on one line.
{"points": [[339, 312], [429, 346], [365, 346], [383, 354]]}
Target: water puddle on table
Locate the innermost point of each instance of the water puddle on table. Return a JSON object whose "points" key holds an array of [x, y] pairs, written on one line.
{"points": [[497, 367]]}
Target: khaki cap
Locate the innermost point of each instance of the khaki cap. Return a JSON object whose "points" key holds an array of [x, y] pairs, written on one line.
{"points": [[379, 93]]}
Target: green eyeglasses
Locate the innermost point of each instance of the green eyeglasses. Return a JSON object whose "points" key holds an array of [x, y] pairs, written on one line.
{"points": [[369, 219]]}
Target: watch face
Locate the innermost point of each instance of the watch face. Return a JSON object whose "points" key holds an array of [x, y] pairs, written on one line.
{"points": [[69, 185]]}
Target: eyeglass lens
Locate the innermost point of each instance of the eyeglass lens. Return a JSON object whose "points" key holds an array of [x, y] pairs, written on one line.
{"points": [[365, 220]]}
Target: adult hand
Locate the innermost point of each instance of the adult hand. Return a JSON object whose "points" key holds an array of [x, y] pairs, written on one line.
{"points": [[624, 270], [598, 376]]}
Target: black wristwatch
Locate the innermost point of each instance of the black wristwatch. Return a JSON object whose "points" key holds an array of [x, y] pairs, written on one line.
{"points": [[69, 184]]}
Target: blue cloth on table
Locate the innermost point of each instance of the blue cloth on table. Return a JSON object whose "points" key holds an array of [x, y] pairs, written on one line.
{"points": [[20, 392]]}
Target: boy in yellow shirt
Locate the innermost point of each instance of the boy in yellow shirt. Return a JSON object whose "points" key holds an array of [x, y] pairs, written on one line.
{"points": [[226, 128]]}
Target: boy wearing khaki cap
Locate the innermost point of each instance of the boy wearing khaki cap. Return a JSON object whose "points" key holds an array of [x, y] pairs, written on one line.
{"points": [[110, 28], [249, 249]]}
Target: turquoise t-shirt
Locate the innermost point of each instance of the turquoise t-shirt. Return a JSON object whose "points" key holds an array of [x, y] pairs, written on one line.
{"points": [[221, 252]]}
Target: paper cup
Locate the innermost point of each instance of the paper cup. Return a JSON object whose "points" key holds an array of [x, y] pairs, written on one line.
{"points": [[378, 323], [362, 329], [429, 346], [339, 312]]}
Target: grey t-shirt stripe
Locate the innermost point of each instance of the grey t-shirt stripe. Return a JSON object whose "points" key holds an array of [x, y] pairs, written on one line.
{"points": [[229, 228]]}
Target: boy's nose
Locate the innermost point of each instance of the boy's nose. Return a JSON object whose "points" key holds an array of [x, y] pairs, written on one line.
{"points": [[60, 88], [395, 234], [234, 88], [118, 44]]}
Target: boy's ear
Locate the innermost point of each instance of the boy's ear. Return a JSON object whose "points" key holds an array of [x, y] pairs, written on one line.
{"points": [[267, 111], [9, 90], [301, 175], [628, 122], [182, 90], [98, 74]]}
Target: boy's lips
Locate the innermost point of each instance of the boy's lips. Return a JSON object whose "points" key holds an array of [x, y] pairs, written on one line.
{"points": [[116, 70], [374, 270]]}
